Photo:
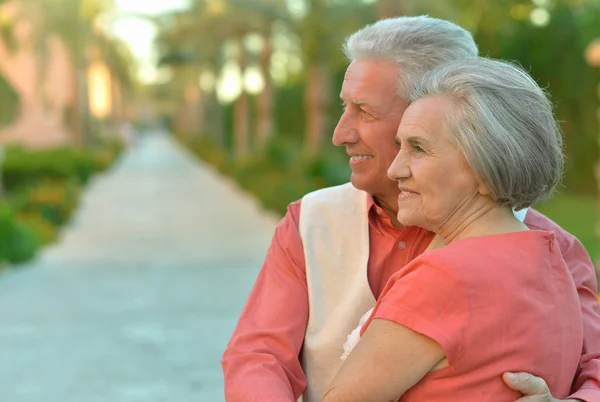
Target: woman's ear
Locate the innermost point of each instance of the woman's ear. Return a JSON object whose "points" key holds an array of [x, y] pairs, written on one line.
{"points": [[483, 189]]}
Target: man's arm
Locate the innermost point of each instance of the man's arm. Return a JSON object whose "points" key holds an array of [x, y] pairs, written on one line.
{"points": [[586, 386], [261, 361]]}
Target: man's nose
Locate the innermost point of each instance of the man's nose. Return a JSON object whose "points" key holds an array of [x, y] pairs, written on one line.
{"points": [[345, 132]]}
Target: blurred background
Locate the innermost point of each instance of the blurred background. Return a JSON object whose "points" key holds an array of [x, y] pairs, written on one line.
{"points": [[251, 87], [141, 139]]}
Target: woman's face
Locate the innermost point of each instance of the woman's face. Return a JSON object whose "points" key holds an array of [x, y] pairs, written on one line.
{"points": [[437, 187]]}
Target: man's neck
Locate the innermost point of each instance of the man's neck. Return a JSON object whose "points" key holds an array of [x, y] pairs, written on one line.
{"points": [[390, 207]]}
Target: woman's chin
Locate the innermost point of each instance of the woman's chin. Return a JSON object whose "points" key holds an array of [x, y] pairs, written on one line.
{"points": [[407, 218], [405, 221]]}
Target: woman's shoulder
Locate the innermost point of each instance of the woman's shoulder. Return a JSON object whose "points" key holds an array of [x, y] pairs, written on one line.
{"points": [[483, 244], [468, 256]]}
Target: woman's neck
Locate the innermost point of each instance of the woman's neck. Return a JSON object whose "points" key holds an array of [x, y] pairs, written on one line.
{"points": [[481, 221]]}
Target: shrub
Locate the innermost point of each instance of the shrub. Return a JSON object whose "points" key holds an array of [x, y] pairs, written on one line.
{"points": [[25, 167], [19, 241], [45, 230], [106, 153], [54, 200], [43, 189]]}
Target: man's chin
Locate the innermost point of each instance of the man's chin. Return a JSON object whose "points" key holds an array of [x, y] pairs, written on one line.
{"points": [[359, 182], [373, 187]]}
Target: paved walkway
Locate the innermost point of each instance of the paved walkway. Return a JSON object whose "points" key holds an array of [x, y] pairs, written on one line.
{"points": [[138, 299]]}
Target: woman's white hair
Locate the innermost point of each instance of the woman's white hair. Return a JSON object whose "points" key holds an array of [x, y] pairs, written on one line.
{"points": [[504, 124], [417, 44]]}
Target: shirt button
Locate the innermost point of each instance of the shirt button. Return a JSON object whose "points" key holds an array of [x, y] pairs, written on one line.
{"points": [[401, 245]]}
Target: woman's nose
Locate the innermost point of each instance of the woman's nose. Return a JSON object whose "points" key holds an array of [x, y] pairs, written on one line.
{"points": [[399, 169]]}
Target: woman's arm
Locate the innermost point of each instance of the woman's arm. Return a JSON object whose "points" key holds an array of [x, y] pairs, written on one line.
{"points": [[389, 359]]}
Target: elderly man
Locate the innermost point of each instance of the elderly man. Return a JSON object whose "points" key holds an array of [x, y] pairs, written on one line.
{"points": [[335, 249]]}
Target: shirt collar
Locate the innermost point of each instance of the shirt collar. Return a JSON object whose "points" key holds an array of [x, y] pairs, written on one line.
{"points": [[377, 217]]}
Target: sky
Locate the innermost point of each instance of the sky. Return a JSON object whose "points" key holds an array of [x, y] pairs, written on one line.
{"points": [[138, 32]]}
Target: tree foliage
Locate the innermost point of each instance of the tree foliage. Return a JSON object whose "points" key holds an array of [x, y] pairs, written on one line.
{"points": [[546, 38]]}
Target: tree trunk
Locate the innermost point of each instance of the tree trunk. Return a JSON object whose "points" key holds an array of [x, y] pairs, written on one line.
{"points": [[188, 118], [212, 122], [265, 125], [118, 112], [79, 109], [241, 114], [316, 104]]}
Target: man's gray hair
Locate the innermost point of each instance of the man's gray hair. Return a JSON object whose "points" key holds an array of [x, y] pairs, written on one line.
{"points": [[417, 44], [504, 124]]}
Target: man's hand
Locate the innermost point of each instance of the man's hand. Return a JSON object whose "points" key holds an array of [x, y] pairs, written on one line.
{"points": [[534, 389]]}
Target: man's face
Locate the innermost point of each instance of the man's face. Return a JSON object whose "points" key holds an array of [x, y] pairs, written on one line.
{"points": [[367, 128]]}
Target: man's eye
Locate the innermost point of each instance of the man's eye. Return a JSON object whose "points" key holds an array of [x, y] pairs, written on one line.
{"points": [[366, 115], [418, 148]]}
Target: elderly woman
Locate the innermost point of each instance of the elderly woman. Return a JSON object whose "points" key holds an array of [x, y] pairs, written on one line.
{"points": [[477, 141]]}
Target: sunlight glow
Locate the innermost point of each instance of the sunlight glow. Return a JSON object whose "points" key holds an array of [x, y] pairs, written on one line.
{"points": [[254, 82], [139, 32], [99, 84], [229, 84], [207, 81], [540, 17]]}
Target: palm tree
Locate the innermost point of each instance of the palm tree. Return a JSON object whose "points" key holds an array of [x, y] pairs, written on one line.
{"points": [[200, 35], [76, 22], [244, 18], [187, 57]]}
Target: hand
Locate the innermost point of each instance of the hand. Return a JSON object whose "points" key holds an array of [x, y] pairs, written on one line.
{"points": [[534, 389]]}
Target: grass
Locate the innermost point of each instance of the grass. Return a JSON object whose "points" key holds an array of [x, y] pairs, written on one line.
{"points": [[578, 215]]}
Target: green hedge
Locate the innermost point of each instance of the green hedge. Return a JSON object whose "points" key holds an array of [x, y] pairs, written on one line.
{"points": [[42, 190], [106, 152], [25, 167], [19, 240]]}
